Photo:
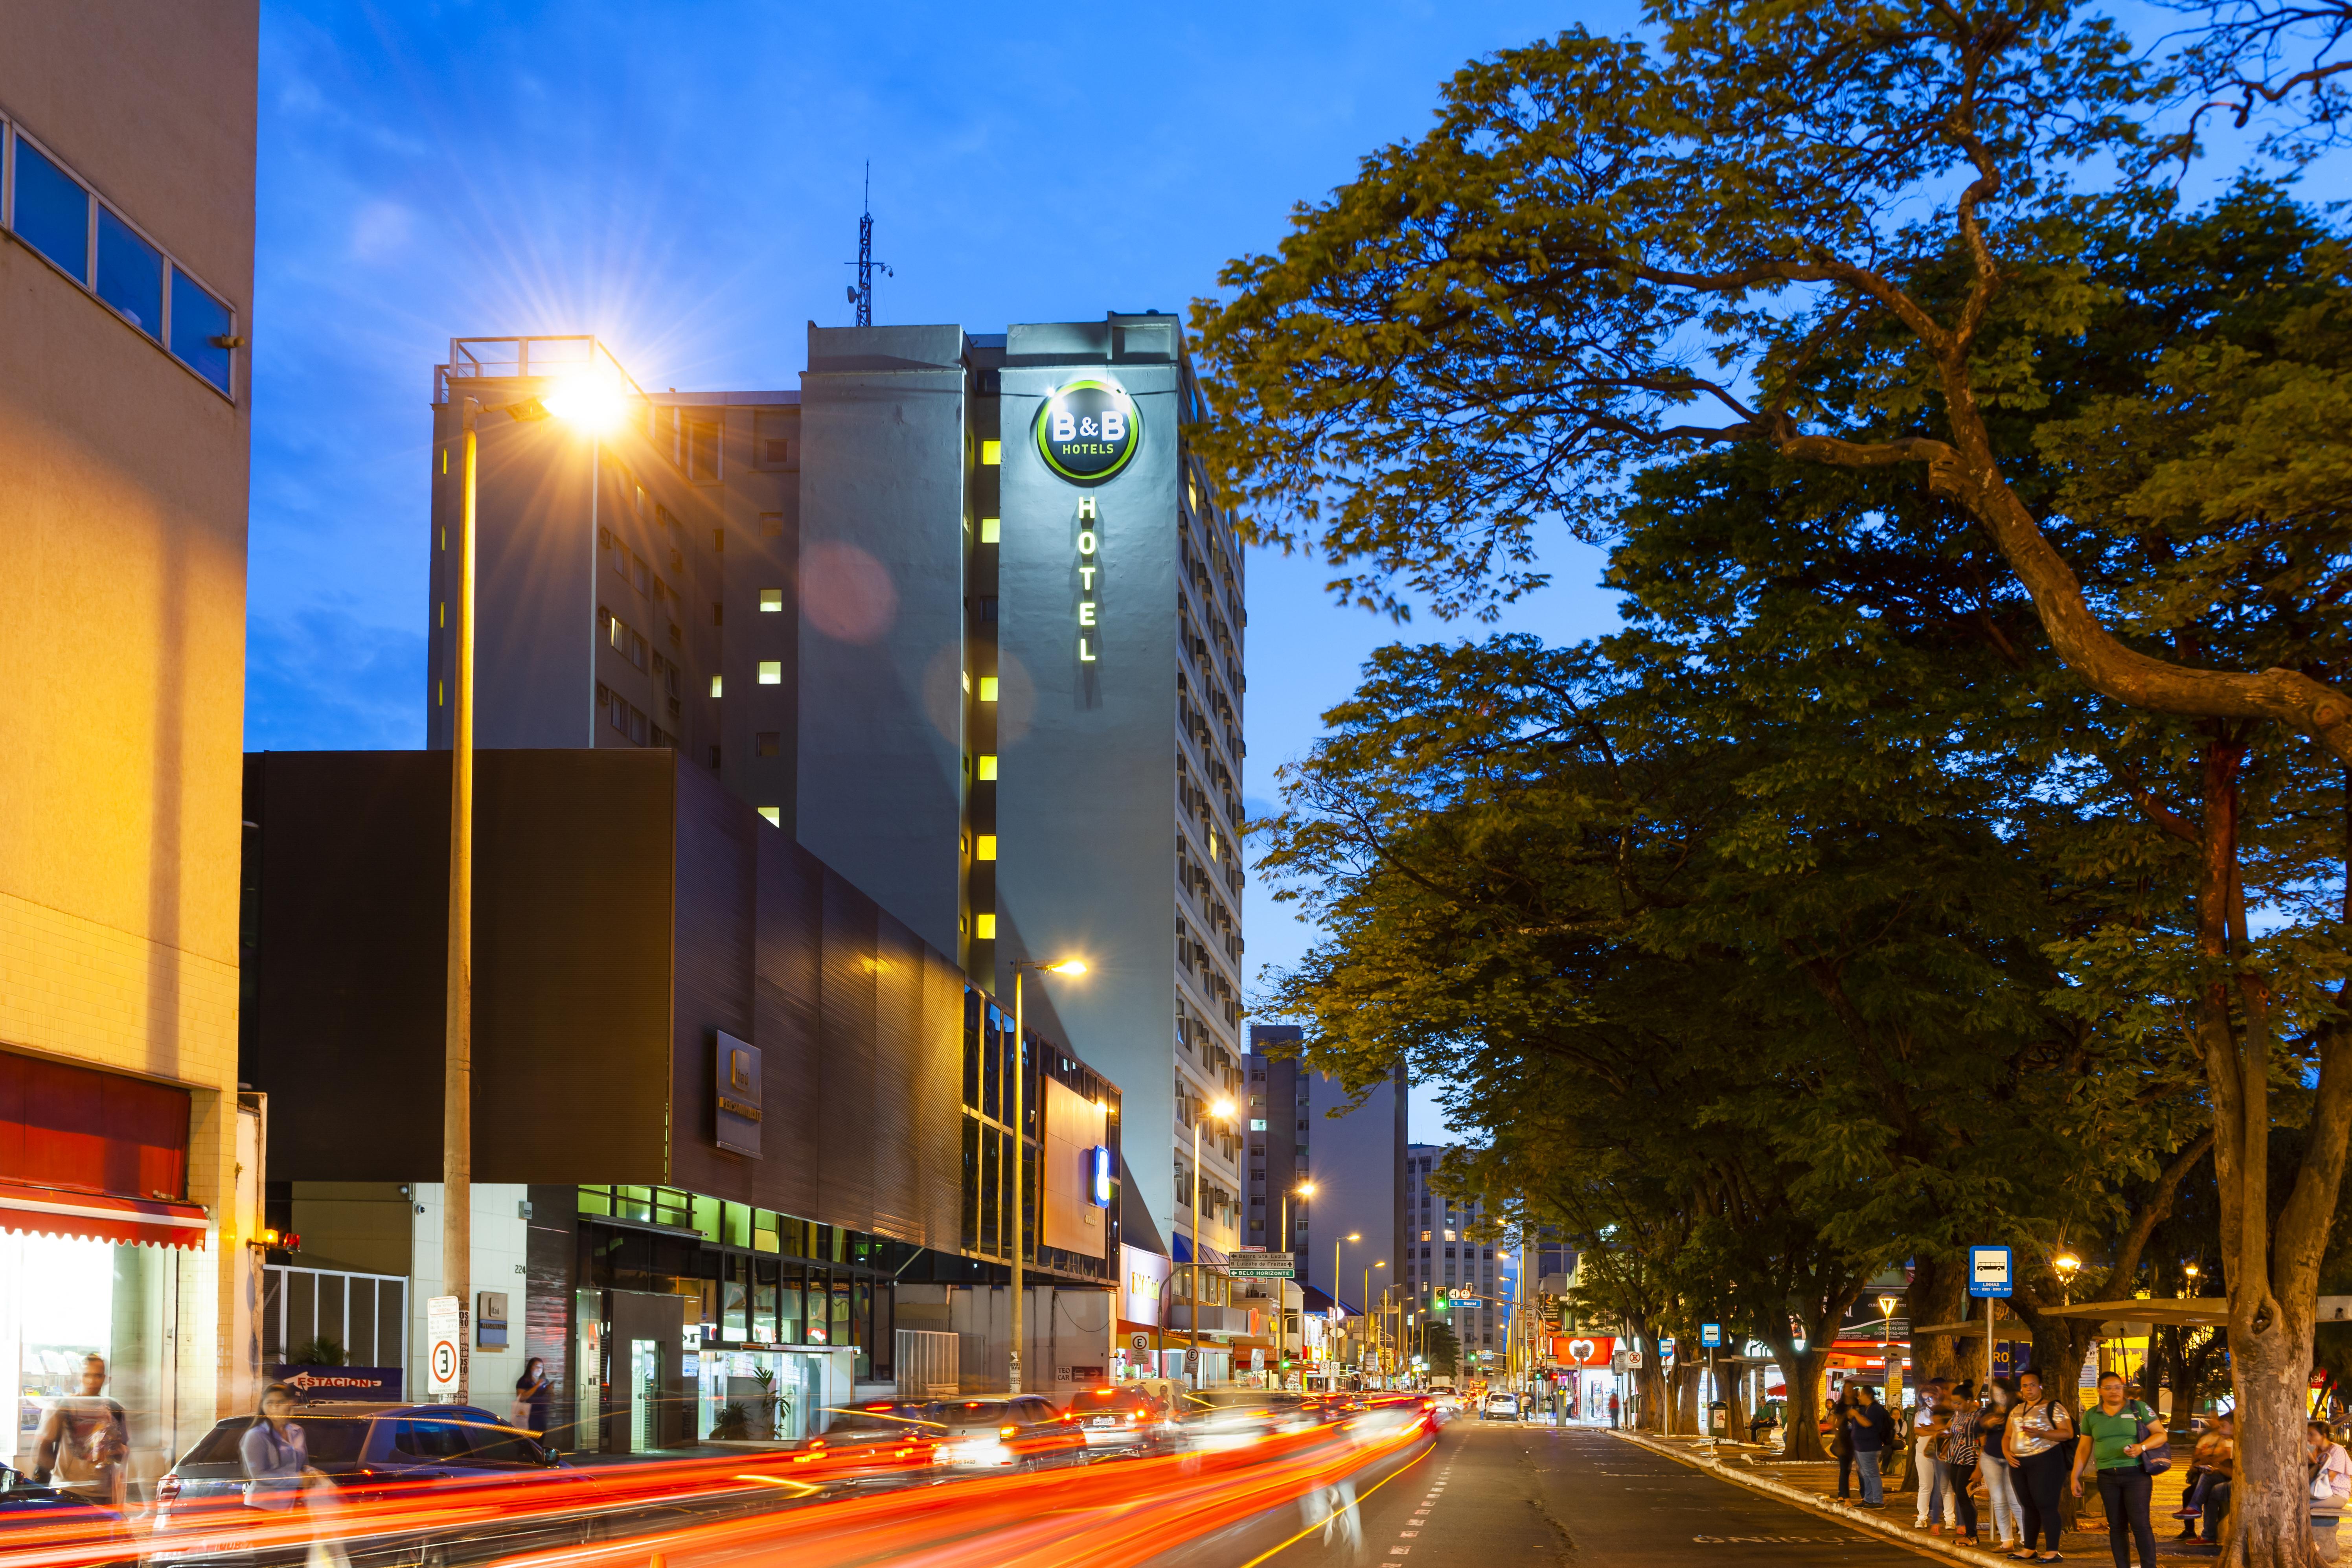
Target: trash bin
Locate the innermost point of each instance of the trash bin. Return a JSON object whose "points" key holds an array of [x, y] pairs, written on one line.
{"points": [[1719, 1419]]}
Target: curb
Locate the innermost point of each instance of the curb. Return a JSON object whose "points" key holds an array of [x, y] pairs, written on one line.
{"points": [[1933, 1545]]}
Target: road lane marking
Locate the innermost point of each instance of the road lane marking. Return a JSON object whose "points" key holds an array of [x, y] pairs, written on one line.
{"points": [[1356, 1502]]}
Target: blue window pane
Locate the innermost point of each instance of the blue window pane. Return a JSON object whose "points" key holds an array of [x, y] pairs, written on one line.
{"points": [[196, 320], [129, 274], [52, 212]]}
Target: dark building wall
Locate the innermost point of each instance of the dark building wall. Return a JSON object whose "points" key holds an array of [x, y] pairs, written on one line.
{"points": [[881, 662], [627, 908]]}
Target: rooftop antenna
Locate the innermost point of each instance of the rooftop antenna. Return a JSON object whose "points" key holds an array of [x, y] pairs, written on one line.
{"points": [[862, 296]]}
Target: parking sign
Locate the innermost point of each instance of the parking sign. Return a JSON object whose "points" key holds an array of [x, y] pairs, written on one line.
{"points": [[1989, 1271]]}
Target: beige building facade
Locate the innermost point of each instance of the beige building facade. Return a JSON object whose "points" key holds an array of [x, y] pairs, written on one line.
{"points": [[129, 1164]]}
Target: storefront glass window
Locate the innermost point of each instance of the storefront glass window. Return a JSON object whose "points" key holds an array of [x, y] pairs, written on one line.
{"points": [[62, 1301], [788, 1306], [763, 1301], [842, 1333], [735, 1302]]}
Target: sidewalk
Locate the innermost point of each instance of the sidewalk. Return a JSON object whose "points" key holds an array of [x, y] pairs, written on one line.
{"points": [[1813, 1484]]}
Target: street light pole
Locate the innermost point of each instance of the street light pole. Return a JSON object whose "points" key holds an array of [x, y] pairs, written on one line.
{"points": [[1021, 1144], [458, 1018], [1220, 1108]]}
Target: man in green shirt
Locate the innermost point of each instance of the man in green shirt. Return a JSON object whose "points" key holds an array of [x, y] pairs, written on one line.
{"points": [[2114, 1434]]}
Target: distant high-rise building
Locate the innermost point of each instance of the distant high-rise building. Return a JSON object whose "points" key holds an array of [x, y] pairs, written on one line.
{"points": [[1466, 1281], [1355, 1158]]}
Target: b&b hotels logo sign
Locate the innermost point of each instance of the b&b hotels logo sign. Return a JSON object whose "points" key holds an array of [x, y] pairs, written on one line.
{"points": [[1087, 431]]}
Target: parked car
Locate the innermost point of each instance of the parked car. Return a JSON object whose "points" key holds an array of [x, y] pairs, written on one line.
{"points": [[60, 1517], [1119, 1417], [367, 1452], [1021, 1431], [1499, 1407]]}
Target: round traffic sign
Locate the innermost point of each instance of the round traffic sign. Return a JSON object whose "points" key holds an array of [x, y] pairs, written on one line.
{"points": [[444, 1361]]}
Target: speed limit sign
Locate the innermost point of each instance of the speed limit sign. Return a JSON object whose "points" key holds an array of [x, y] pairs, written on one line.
{"points": [[445, 1334]]}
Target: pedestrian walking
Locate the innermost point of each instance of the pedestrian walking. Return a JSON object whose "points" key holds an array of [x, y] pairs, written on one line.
{"points": [[1842, 1438], [84, 1442], [2040, 1434], [1956, 1451], [534, 1394], [2331, 1487], [2126, 1443], [1612, 1409], [1872, 1431], [1927, 1478], [275, 1458], [1993, 1467]]}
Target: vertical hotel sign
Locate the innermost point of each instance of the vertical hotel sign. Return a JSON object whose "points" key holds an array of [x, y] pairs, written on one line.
{"points": [[1087, 432], [739, 1116]]}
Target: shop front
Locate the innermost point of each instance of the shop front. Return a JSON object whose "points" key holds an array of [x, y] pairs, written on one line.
{"points": [[93, 1167]]}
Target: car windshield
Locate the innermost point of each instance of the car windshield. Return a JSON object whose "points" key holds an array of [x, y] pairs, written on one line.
{"points": [[331, 1439], [889, 1420], [975, 1412]]}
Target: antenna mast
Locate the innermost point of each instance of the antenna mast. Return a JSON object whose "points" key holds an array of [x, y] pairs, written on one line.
{"points": [[862, 296]]}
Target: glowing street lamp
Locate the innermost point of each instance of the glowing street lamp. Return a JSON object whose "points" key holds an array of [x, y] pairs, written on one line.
{"points": [[1072, 966], [594, 404], [2066, 1263]]}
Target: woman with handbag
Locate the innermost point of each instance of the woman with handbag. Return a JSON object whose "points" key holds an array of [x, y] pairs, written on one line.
{"points": [[2039, 1438], [2127, 1441]]}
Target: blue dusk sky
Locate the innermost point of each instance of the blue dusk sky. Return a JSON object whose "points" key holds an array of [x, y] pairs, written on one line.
{"points": [[683, 180]]}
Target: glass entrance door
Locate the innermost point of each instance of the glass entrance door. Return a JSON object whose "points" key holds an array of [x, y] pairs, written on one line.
{"points": [[644, 1395]]}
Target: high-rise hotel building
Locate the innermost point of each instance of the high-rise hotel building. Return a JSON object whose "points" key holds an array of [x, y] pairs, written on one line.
{"points": [[961, 614]]}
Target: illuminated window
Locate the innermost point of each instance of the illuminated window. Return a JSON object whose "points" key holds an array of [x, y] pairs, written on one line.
{"points": [[992, 453], [771, 672], [771, 601], [987, 850], [988, 689], [775, 814], [714, 686], [990, 530], [984, 927], [987, 769], [769, 742]]}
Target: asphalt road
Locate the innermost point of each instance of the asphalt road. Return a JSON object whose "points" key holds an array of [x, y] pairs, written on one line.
{"points": [[1494, 1495]]}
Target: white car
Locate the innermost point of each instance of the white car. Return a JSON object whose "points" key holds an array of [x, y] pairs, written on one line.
{"points": [[1500, 1407]]}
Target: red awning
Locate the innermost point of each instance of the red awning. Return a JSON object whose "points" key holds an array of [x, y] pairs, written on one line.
{"points": [[137, 1222]]}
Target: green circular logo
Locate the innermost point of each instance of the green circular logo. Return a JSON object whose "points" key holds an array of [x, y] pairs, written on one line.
{"points": [[1087, 431]]}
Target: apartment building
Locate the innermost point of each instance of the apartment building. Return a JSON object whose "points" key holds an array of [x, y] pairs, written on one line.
{"points": [[130, 1162], [1459, 1277]]}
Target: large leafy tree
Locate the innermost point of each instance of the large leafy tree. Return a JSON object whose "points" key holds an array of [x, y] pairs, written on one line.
{"points": [[1860, 241]]}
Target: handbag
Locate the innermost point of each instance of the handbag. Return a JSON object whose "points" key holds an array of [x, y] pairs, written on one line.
{"points": [[2158, 1461]]}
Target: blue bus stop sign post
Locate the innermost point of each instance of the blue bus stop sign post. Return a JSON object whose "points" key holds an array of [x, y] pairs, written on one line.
{"points": [[1991, 1278]]}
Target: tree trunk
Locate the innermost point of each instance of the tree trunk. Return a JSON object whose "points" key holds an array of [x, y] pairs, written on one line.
{"points": [[1732, 1374], [1649, 1384], [1687, 1381], [1938, 1294], [1806, 1375]]}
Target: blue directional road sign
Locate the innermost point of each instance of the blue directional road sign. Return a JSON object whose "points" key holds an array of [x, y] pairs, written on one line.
{"points": [[1989, 1271], [1710, 1335]]}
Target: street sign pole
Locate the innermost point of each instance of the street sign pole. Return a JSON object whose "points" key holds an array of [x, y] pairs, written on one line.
{"points": [[1991, 1276]]}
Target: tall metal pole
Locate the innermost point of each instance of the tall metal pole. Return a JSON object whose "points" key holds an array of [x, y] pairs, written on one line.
{"points": [[1192, 1280], [1281, 1292], [458, 1021], [1020, 1127]]}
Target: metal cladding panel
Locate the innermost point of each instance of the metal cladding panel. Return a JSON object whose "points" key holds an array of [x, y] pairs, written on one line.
{"points": [[898, 1057], [787, 1004], [879, 778], [344, 957], [846, 1012], [1087, 814], [574, 910], [717, 892]]}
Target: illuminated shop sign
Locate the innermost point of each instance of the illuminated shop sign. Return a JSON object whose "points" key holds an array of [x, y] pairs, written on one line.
{"points": [[1087, 431], [1098, 1181], [1089, 570]]}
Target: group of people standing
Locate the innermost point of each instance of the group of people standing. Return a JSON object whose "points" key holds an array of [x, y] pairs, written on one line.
{"points": [[2016, 1448]]}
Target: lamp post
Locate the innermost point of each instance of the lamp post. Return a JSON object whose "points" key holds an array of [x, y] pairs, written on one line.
{"points": [[1352, 1236], [1223, 1110], [1281, 1288], [2065, 1263], [1020, 1139], [2192, 1270], [594, 405]]}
